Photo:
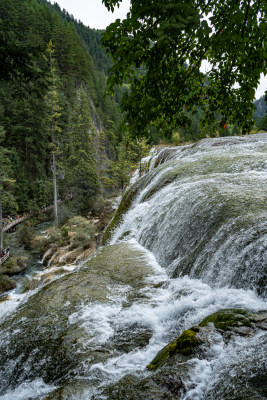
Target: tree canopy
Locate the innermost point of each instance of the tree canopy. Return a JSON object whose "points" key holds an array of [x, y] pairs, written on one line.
{"points": [[160, 47]]}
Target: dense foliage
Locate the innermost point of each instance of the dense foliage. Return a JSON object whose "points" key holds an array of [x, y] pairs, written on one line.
{"points": [[52, 108], [170, 40]]}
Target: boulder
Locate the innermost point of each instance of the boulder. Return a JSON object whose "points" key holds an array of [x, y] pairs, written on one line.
{"points": [[6, 283], [14, 265]]}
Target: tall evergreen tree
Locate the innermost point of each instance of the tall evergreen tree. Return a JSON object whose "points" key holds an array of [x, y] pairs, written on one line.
{"points": [[80, 163], [53, 115], [7, 201]]}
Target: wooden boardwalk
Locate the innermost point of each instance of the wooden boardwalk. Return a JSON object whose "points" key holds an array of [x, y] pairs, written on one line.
{"points": [[12, 225]]}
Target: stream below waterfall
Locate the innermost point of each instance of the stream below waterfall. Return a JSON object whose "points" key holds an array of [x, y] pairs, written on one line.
{"points": [[192, 242]]}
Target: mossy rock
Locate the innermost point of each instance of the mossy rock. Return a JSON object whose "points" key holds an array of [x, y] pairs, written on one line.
{"points": [[122, 209], [184, 345], [9, 265], [14, 265], [22, 262], [124, 235], [227, 319], [6, 283]]}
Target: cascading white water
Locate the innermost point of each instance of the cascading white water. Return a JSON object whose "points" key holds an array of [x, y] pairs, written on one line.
{"points": [[195, 242], [203, 213]]}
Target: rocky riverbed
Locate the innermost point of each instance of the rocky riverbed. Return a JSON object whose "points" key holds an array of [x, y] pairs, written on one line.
{"points": [[51, 251]]}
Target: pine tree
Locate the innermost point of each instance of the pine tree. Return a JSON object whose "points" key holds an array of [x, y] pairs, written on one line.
{"points": [[80, 163], [6, 198], [53, 115], [263, 123], [235, 130], [139, 149], [120, 169]]}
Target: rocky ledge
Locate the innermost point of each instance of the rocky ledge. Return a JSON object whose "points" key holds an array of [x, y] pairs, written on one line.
{"points": [[170, 369]]}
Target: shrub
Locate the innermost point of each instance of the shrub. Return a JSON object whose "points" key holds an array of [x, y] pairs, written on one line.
{"points": [[176, 139], [6, 283], [25, 234], [54, 235], [83, 237], [78, 221], [64, 231], [64, 215], [98, 205]]}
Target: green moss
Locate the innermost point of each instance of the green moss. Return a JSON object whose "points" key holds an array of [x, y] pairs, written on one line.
{"points": [[10, 263], [6, 283], [186, 342], [122, 209], [124, 235], [183, 345], [226, 319], [160, 357]]}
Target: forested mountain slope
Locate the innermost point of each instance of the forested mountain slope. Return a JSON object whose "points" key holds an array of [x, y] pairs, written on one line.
{"points": [[33, 81], [261, 109], [91, 38]]}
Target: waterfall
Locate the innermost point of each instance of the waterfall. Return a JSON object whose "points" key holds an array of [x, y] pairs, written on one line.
{"points": [[46, 254], [192, 242], [203, 213]]}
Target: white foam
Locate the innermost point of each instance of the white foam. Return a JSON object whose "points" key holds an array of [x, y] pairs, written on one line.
{"points": [[224, 362], [167, 311], [36, 389], [14, 300], [97, 319]]}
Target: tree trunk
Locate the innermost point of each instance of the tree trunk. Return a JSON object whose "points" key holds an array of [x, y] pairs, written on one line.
{"points": [[54, 170], [1, 226]]}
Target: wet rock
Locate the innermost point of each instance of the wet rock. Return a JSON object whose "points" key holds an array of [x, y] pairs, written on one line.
{"points": [[14, 265], [262, 325], [237, 321], [168, 384], [126, 342], [171, 370], [183, 345], [228, 319], [53, 342], [259, 384], [158, 387], [6, 283], [4, 298], [243, 330]]}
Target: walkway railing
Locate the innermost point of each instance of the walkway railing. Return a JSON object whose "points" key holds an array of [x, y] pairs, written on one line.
{"points": [[4, 258], [24, 217], [16, 222]]}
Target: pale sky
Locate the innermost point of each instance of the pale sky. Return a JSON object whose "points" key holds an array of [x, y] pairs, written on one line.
{"points": [[92, 12], [95, 15]]}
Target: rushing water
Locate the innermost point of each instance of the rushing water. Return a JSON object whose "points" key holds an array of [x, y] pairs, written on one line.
{"points": [[195, 242]]}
